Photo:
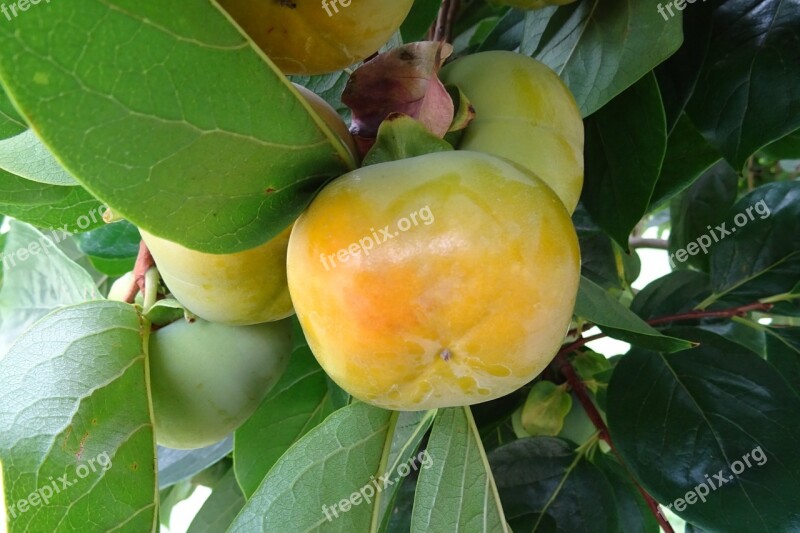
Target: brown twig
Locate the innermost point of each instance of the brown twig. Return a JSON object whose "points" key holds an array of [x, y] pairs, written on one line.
{"points": [[561, 362], [144, 262], [658, 244], [442, 29]]}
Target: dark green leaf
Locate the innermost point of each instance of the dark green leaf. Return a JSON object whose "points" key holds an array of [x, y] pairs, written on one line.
{"points": [[119, 240], [597, 306], [747, 91], [633, 513], [625, 146], [676, 419], [422, 16], [543, 482], [785, 148], [761, 255], [73, 406], [602, 260], [677, 292], [456, 491], [298, 403], [693, 214], [783, 351], [600, 47], [688, 156], [174, 119]]}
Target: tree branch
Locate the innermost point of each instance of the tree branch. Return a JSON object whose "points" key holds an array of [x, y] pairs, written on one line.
{"points": [[562, 363], [641, 242]]}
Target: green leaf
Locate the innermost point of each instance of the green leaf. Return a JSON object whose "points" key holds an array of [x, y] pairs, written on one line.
{"points": [[73, 406], [26, 156], [545, 485], [600, 47], [298, 403], [175, 466], [677, 292], [37, 278], [77, 212], [10, 122], [401, 137], [545, 409], [315, 483], [20, 191], [761, 254], [602, 260], [703, 205], [746, 93], [119, 240], [410, 429], [194, 137], [220, 509], [625, 146], [457, 492], [632, 510], [420, 18], [678, 418], [597, 306], [688, 156], [786, 148], [783, 351]]}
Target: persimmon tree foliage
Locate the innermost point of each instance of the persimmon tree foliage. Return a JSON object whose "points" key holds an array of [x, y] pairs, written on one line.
{"points": [[449, 288]]}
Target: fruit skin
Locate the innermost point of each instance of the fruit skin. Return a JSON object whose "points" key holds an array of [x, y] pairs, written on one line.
{"points": [[461, 310], [208, 379], [302, 38], [534, 121], [243, 288]]}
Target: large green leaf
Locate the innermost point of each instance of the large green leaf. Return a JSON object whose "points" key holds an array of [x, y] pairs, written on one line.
{"points": [[759, 251], [677, 292], [457, 492], [783, 351], [76, 212], [15, 190], [704, 204], [75, 429], [680, 420], [600, 47], [26, 156], [597, 306], [547, 486], [602, 260], [625, 146], [746, 93], [170, 116], [298, 403], [10, 122], [37, 278], [632, 510], [327, 480]]}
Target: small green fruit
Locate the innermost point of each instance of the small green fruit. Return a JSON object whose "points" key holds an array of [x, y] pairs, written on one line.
{"points": [[207, 379]]}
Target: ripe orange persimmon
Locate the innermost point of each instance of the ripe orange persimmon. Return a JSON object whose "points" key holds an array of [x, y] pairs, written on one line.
{"points": [[442, 280]]}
